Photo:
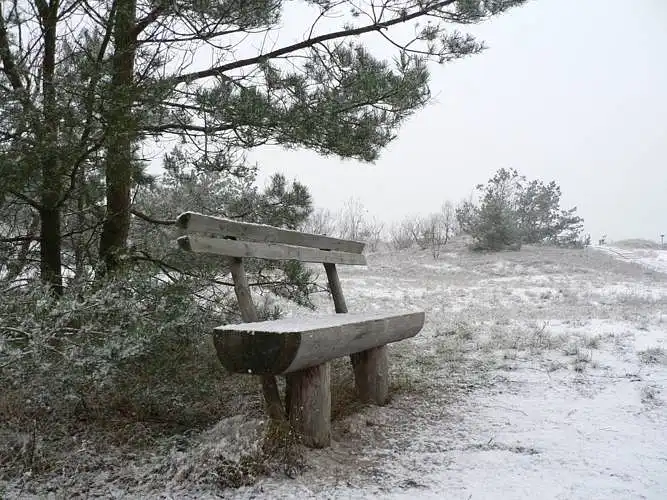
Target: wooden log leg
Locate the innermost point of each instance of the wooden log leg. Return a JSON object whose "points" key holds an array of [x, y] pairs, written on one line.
{"points": [[274, 405], [371, 375], [371, 368], [272, 402], [308, 401]]}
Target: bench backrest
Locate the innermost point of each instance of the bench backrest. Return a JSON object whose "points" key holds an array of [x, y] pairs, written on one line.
{"points": [[220, 236]]}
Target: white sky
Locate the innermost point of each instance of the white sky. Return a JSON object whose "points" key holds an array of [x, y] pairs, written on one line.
{"points": [[569, 90]]}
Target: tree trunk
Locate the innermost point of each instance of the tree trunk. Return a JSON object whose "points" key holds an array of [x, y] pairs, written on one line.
{"points": [[50, 247], [79, 240], [121, 132], [51, 239]]}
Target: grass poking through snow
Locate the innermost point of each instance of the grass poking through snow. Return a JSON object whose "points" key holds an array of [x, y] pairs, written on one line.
{"points": [[540, 370]]}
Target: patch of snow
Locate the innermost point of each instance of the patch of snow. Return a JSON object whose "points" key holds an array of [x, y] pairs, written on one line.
{"points": [[650, 258], [526, 381], [313, 323], [442, 266]]}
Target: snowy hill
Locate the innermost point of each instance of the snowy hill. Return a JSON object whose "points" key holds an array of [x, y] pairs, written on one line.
{"points": [[540, 373]]}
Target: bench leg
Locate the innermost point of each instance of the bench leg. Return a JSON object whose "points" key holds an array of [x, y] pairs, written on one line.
{"points": [[371, 375], [308, 398]]}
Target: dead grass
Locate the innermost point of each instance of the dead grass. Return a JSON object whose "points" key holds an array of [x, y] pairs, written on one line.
{"points": [[593, 342], [344, 400], [653, 356], [480, 326], [554, 366], [582, 360], [531, 338], [236, 452], [448, 350], [650, 395], [130, 415]]}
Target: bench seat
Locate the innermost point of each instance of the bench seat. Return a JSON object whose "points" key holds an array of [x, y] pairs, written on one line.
{"points": [[299, 348], [291, 344]]}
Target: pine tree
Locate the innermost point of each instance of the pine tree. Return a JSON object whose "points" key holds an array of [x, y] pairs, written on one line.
{"points": [[86, 83]]}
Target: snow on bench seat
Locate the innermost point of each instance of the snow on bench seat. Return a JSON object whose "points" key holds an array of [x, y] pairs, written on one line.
{"points": [[292, 344], [300, 348]]}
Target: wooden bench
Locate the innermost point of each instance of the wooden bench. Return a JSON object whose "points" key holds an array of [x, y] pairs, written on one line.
{"points": [[299, 348]]}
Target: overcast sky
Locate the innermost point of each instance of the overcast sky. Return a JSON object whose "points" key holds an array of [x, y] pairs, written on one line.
{"points": [[569, 90]]}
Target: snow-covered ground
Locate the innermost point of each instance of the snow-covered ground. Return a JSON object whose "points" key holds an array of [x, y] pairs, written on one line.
{"points": [[540, 373], [651, 258], [566, 360]]}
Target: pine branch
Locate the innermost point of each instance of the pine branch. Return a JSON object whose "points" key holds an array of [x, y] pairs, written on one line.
{"points": [[345, 33], [150, 219]]}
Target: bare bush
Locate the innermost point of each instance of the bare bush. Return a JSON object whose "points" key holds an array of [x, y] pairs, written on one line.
{"points": [[321, 221], [402, 234], [354, 223], [372, 233], [432, 232], [351, 219]]}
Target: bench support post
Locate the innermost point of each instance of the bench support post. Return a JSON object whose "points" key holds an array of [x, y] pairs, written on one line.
{"points": [[274, 405], [309, 404], [371, 375], [371, 367], [336, 290]]}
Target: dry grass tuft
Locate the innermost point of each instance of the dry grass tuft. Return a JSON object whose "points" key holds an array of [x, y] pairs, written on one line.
{"points": [[650, 395], [653, 356]]}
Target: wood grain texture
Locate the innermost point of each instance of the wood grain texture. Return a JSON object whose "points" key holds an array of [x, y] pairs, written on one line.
{"points": [[271, 251], [309, 404], [298, 343], [193, 222], [371, 375], [336, 289]]}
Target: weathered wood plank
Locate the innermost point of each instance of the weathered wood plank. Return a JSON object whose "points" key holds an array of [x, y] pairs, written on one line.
{"points": [[371, 375], [272, 251], [198, 223], [336, 290], [309, 404], [292, 344]]}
